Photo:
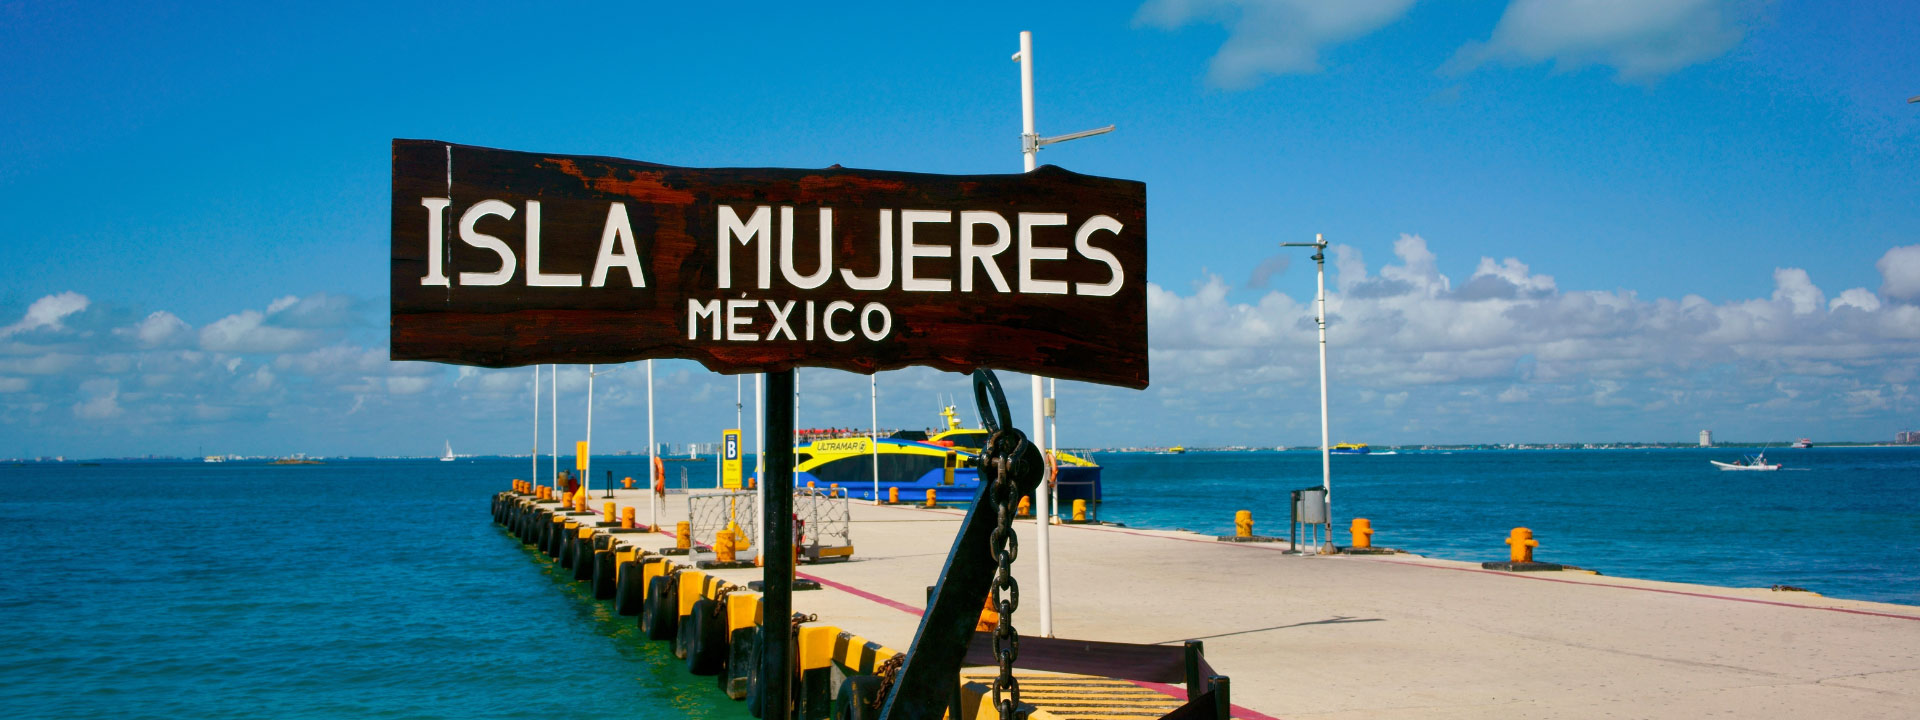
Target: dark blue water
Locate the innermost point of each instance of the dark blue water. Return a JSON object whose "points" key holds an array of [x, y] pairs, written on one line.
{"points": [[254, 591], [197, 590], [1843, 522]]}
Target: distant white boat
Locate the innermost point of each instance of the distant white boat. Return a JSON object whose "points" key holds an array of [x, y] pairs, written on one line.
{"points": [[1751, 462], [448, 457]]}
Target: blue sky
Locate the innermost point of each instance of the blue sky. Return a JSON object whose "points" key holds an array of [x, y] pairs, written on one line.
{"points": [[1553, 220]]}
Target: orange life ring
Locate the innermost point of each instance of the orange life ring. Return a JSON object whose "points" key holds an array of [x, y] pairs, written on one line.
{"points": [[659, 476]]}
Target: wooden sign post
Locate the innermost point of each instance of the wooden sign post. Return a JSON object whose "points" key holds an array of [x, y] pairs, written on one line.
{"points": [[504, 258]]}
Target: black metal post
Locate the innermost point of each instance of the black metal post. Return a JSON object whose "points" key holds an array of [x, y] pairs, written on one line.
{"points": [[776, 573], [1194, 650], [609, 486]]}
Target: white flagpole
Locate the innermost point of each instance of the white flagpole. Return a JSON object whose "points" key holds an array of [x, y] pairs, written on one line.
{"points": [[1042, 513], [653, 456], [873, 397], [586, 463], [554, 411], [534, 472]]}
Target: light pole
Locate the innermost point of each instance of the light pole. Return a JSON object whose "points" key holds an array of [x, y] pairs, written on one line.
{"points": [[1030, 144], [1319, 246]]}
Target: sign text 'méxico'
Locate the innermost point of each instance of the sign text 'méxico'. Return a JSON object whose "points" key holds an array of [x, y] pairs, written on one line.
{"points": [[505, 258]]}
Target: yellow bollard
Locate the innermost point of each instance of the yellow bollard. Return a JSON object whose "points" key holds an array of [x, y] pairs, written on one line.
{"points": [[607, 513], [626, 518], [1362, 532], [833, 490], [1243, 524], [684, 536], [580, 500], [893, 496], [1025, 509], [1520, 542], [989, 617], [929, 497], [1079, 511], [723, 546], [627, 482]]}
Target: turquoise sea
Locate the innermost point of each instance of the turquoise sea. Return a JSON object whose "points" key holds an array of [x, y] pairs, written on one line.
{"points": [[244, 590]]}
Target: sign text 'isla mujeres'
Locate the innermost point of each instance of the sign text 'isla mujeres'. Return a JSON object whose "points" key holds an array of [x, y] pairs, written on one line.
{"points": [[505, 258]]}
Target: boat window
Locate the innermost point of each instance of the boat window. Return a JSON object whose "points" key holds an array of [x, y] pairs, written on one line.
{"points": [[894, 467]]}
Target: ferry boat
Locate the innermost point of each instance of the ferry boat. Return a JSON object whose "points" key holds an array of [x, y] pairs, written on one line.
{"points": [[1803, 443], [915, 463], [1350, 449]]}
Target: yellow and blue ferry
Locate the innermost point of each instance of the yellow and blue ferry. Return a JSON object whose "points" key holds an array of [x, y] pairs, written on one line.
{"points": [[946, 463]]}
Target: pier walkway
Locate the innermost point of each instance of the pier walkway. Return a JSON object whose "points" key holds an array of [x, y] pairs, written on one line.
{"points": [[1398, 636]]}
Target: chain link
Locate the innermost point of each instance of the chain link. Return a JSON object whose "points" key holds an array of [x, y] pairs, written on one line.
{"points": [[1006, 448], [888, 671]]}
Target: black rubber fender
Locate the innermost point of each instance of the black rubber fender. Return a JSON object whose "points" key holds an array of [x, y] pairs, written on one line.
{"points": [[603, 575], [660, 619], [706, 632], [582, 560], [626, 594], [756, 701], [858, 698], [565, 549]]}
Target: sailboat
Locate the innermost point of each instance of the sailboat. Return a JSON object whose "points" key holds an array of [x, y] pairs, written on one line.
{"points": [[448, 456]]}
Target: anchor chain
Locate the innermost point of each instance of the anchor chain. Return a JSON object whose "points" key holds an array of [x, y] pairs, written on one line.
{"points": [[1008, 456]]}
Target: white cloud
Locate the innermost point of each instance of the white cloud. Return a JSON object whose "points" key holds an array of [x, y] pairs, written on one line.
{"points": [[1900, 272], [246, 332], [1641, 39], [159, 329], [1856, 298], [408, 385], [99, 399], [1793, 287], [47, 312], [14, 384], [1273, 37]]}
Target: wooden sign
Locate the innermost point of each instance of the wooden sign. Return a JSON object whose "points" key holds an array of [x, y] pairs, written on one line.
{"points": [[505, 258], [730, 460]]}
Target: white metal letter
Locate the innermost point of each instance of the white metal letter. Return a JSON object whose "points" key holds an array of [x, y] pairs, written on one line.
{"points": [[826, 320], [697, 310], [534, 277], [882, 277], [482, 240], [819, 276], [1093, 225], [866, 323], [436, 240], [909, 251], [1029, 254], [758, 227], [738, 315], [984, 254], [618, 229]]}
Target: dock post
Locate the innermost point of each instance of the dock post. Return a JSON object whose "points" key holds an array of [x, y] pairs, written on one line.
{"points": [[1195, 649], [776, 579]]}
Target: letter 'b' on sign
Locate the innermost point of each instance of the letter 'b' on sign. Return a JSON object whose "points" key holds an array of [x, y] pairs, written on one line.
{"points": [[730, 460]]}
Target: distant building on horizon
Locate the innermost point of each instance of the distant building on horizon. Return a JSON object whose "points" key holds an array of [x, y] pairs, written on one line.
{"points": [[1706, 438], [1906, 437]]}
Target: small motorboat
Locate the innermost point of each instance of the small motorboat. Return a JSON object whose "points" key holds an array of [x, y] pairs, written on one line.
{"points": [[1750, 462]]}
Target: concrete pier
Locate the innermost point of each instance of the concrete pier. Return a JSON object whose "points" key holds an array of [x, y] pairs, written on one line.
{"points": [[1398, 636]]}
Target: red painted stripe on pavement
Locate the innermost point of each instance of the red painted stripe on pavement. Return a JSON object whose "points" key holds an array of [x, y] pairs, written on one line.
{"points": [[1162, 688]]}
